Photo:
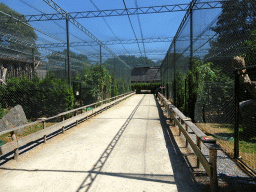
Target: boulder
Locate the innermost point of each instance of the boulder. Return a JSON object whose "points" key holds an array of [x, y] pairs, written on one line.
{"points": [[14, 118]]}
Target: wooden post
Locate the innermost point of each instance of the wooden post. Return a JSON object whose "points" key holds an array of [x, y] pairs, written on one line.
{"points": [[63, 129], [198, 143], [16, 151], [179, 127], [186, 127], [44, 124], [213, 176], [76, 122], [174, 117], [75, 113], [63, 117], [44, 138]]}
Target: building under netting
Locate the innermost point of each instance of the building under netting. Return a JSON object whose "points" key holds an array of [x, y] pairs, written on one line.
{"points": [[145, 75], [56, 56]]}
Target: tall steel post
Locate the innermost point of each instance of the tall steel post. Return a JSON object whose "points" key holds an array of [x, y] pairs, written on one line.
{"points": [[236, 131], [100, 56], [34, 63], [190, 87], [68, 58], [167, 85], [65, 68], [174, 73], [191, 36]]}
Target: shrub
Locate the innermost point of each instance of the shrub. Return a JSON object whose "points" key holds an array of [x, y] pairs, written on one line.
{"points": [[46, 97], [144, 86]]}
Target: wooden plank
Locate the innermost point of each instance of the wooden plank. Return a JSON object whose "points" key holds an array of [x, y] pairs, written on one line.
{"points": [[196, 150], [195, 129], [41, 134], [8, 147], [20, 127], [212, 146]]}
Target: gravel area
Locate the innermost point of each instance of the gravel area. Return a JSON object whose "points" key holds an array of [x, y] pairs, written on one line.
{"points": [[230, 176]]}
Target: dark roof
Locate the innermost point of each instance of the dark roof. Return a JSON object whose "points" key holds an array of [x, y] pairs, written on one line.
{"points": [[145, 74]]}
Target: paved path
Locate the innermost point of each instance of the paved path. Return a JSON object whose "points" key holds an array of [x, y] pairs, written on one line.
{"points": [[122, 149]]}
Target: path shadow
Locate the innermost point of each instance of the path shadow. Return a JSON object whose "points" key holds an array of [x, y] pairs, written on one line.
{"points": [[93, 173], [238, 184], [169, 179], [31, 145], [183, 176]]}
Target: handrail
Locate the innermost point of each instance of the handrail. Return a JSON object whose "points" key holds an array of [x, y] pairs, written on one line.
{"points": [[16, 143], [60, 114], [211, 166]]}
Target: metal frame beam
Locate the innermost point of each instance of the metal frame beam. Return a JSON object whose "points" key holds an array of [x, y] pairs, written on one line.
{"points": [[72, 20], [120, 12], [114, 42]]}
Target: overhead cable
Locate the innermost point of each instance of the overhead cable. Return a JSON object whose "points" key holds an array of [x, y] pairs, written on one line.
{"points": [[109, 26], [132, 26]]}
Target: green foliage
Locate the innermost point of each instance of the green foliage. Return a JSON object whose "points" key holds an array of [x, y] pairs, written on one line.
{"points": [[199, 81], [124, 89], [99, 80], [250, 55], [116, 90], [233, 27], [180, 90], [144, 86], [46, 97], [18, 29], [133, 61], [15, 28], [1, 112]]}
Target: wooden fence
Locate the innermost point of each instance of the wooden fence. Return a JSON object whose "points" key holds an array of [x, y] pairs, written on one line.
{"points": [[61, 126], [184, 123]]}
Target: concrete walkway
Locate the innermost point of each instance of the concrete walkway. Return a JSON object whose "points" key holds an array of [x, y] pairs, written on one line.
{"points": [[125, 148]]}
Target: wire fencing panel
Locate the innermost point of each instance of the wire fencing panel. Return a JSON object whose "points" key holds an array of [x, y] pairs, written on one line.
{"points": [[39, 60], [209, 45]]}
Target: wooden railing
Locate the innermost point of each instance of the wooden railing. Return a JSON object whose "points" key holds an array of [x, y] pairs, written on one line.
{"points": [[178, 117], [15, 144]]}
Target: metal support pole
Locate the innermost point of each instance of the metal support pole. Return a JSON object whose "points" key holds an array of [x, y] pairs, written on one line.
{"points": [[190, 87], [65, 68], [236, 132], [191, 36], [100, 56], [33, 64], [174, 73], [167, 85], [68, 58]]}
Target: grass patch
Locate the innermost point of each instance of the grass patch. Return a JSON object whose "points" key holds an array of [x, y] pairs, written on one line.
{"points": [[27, 131], [247, 146]]}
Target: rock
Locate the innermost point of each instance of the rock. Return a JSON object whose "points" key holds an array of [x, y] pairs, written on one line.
{"points": [[14, 118]]}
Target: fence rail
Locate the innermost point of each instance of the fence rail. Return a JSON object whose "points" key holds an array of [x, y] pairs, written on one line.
{"points": [[16, 143], [184, 123]]}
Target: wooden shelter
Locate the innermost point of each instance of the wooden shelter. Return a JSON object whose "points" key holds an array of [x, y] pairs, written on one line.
{"points": [[145, 75], [16, 66]]}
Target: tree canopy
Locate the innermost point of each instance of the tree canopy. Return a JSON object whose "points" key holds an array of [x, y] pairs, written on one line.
{"points": [[21, 30], [233, 27], [133, 61]]}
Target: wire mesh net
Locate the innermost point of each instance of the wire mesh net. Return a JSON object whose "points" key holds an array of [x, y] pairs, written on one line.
{"points": [[41, 58], [209, 45]]}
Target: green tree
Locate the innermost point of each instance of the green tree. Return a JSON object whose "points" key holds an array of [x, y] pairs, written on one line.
{"points": [[21, 30], [232, 28], [57, 63], [250, 54]]}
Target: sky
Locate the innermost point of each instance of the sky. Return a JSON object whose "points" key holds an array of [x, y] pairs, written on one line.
{"points": [[112, 28]]}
